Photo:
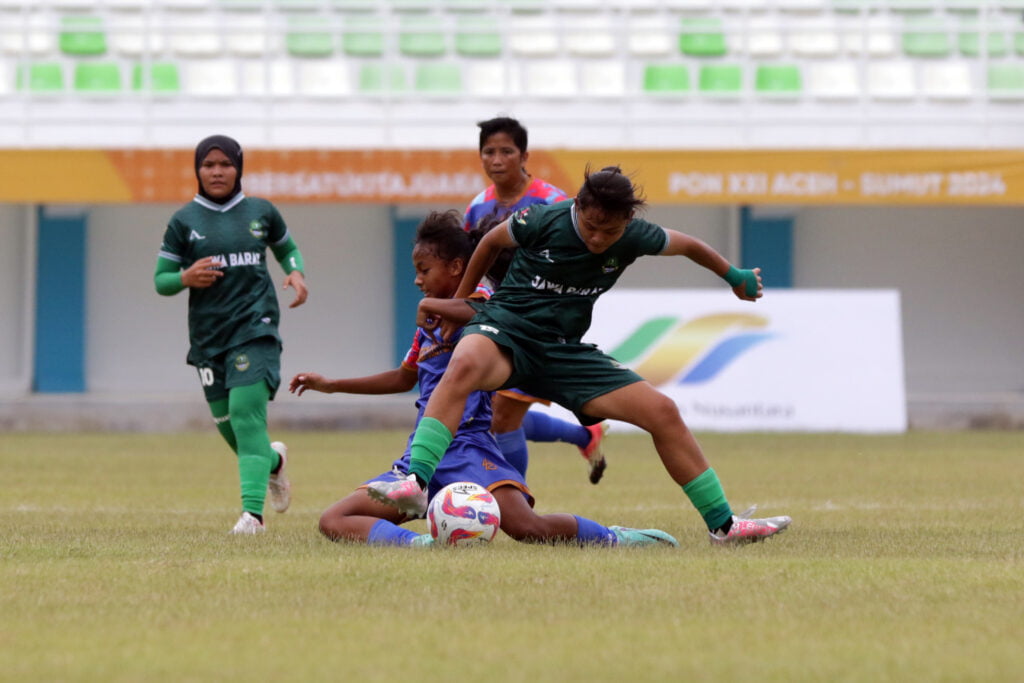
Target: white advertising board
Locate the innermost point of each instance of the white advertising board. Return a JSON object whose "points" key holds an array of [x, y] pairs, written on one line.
{"points": [[797, 360]]}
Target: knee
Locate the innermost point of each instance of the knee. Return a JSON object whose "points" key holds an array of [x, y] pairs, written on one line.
{"points": [[332, 525]]}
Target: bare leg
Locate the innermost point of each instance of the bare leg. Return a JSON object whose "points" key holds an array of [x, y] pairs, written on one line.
{"points": [[352, 517]]}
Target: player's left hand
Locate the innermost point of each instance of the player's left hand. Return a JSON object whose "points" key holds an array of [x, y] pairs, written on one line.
{"points": [[297, 281], [744, 289]]}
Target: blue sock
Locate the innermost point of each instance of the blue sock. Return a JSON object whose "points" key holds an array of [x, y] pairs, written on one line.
{"points": [[589, 532], [513, 447], [384, 532], [542, 427]]}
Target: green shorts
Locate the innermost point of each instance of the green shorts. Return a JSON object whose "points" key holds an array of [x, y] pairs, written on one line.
{"points": [[255, 360], [568, 373]]}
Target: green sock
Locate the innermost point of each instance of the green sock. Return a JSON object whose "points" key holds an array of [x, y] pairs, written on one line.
{"points": [[222, 418], [248, 407], [706, 494], [429, 443]]}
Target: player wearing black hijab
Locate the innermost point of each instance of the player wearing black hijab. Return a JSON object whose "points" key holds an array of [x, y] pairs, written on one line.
{"points": [[215, 246]]}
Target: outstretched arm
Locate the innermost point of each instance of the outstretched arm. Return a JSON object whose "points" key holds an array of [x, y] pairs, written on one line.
{"points": [[396, 381], [746, 284]]}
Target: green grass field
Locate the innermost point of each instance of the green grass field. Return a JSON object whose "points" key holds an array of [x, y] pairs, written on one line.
{"points": [[905, 562]]}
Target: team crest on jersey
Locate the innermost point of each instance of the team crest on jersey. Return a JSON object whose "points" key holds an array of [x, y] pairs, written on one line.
{"points": [[610, 266], [258, 229], [241, 362]]}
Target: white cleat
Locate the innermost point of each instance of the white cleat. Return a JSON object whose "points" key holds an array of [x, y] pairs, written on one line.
{"points": [[404, 494], [279, 489], [248, 525], [747, 530]]}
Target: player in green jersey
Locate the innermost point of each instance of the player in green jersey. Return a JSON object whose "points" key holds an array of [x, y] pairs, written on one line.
{"points": [[215, 246], [528, 335]]}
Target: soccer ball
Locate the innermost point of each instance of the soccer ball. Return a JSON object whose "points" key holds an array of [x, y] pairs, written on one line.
{"points": [[463, 514]]}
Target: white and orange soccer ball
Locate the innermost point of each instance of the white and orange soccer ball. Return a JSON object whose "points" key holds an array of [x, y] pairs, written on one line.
{"points": [[463, 514]]}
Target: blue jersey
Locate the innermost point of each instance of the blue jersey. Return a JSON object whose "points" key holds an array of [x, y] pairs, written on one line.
{"points": [[486, 203]]}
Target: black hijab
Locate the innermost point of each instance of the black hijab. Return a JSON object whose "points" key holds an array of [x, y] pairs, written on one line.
{"points": [[232, 150]]}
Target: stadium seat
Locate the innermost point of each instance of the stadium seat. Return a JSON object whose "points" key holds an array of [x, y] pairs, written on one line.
{"points": [[720, 80], [41, 78], [210, 78], [815, 38], [833, 80], [421, 36], [352, 5], [309, 37], [1006, 81], [926, 39], [946, 81], [764, 37], [649, 37], [874, 35], [533, 36], [6, 78], [550, 78], [248, 34], [478, 36], [604, 78], [438, 79], [161, 78], [666, 79], [590, 37], [486, 79], [82, 36], [778, 80], [1018, 43], [295, 5], [191, 34], [97, 78], [362, 37], [891, 80], [381, 79], [702, 37], [322, 78]]}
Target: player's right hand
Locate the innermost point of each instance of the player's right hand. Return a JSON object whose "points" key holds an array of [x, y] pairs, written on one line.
{"points": [[306, 380], [203, 273]]}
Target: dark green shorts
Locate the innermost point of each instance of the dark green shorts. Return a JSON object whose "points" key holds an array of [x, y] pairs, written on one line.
{"points": [[570, 374], [259, 359]]}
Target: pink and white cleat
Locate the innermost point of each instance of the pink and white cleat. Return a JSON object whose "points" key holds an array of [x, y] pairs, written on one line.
{"points": [[592, 453], [279, 488], [404, 494], [747, 530]]}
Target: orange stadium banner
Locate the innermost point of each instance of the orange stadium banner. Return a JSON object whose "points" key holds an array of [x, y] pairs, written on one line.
{"points": [[451, 177]]}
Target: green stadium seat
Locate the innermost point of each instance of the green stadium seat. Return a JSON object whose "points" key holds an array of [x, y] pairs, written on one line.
{"points": [[778, 80], [161, 78], [421, 37], [702, 37], [720, 80], [97, 78], [363, 37], [438, 79], [478, 37], [666, 79], [41, 78], [381, 79], [308, 38], [81, 35], [1006, 81], [996, 44], [926, 39]]}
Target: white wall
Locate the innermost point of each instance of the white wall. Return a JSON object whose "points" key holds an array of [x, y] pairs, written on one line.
{"points": [[17, 268]]}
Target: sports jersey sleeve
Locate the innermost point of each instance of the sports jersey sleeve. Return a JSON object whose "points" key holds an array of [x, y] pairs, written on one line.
{"points": [[167, 277], [650, 239], [520, 228]]}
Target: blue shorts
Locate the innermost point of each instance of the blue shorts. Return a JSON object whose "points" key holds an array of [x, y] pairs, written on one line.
{"points": [[472, 456]]}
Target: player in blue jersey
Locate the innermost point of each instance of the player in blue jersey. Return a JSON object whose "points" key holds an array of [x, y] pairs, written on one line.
{"points": [[440, 254], [503, 156], [529, 335], [215, 246]]}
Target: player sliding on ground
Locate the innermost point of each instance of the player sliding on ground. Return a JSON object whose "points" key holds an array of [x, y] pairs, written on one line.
{"points": [[440, 255], [528, 335]]}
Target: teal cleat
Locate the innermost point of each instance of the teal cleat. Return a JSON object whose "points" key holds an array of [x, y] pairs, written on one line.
{"points": [[637, 537], [422, 541]]}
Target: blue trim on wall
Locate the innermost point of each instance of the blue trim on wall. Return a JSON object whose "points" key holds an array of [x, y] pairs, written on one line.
{"points": [[60, 303], [767, 241], [406, 295]]}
